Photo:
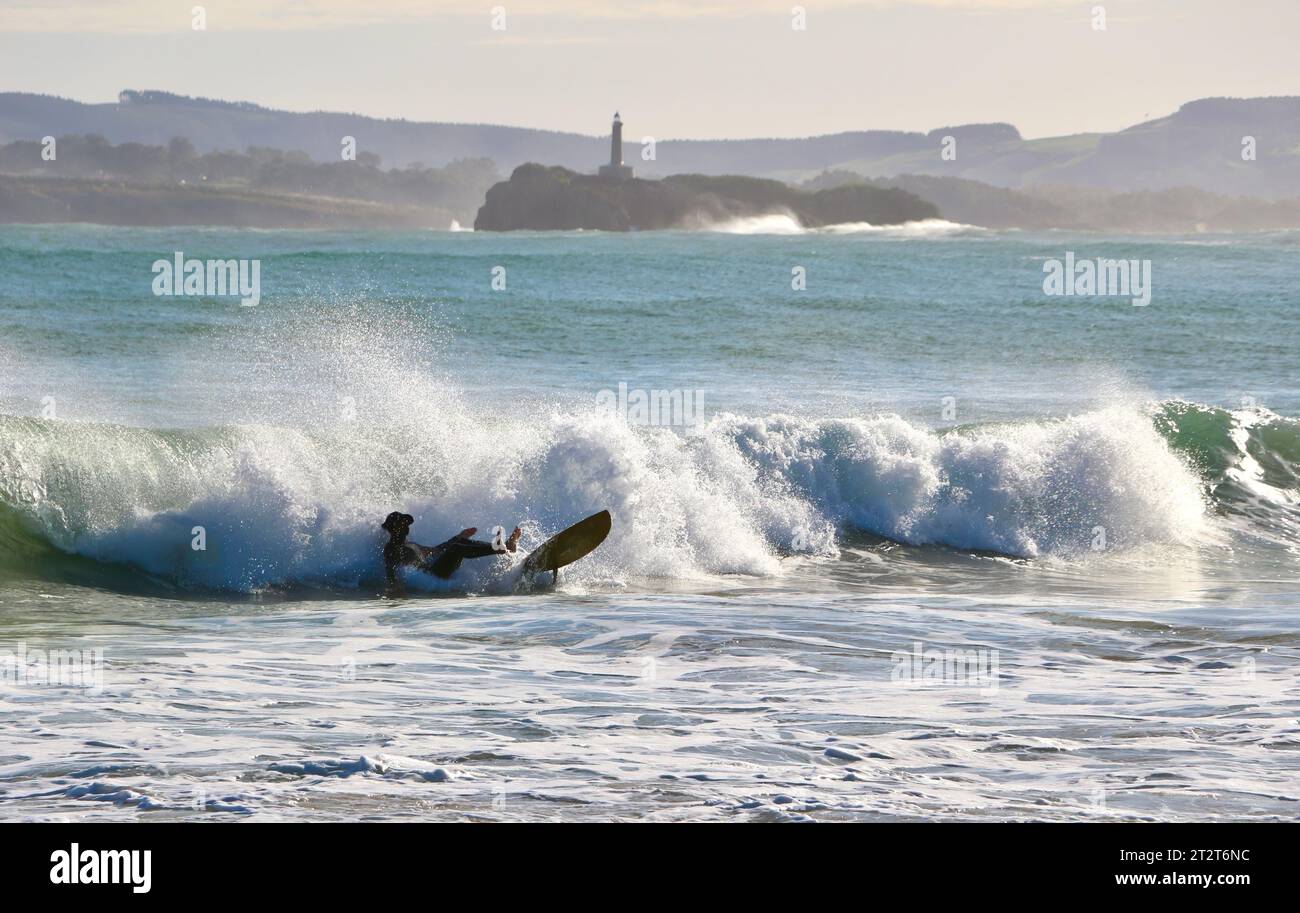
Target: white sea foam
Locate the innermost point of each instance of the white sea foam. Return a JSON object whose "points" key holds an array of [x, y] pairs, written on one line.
{"points": [[1026, 489], [769, 224], [742, 707], [789, 224], [921, 228]]}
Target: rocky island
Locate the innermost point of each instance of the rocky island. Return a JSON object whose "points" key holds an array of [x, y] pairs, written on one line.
{"points": [[541, 198]]}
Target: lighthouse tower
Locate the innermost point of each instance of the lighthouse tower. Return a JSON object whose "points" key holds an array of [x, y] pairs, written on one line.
{"points": [[616, 170]]}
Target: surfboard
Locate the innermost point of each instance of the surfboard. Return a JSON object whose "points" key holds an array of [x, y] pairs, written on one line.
{"points": [[568, 546]]}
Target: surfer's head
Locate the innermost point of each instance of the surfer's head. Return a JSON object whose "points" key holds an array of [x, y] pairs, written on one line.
{"points": [[398, 524]]}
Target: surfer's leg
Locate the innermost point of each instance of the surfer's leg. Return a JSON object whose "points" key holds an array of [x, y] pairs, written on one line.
{"points": [[470, 548], [451, 553], [443, 560], [477, 548], [448, 556]]}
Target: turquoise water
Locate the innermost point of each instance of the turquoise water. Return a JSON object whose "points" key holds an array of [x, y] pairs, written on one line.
{"points": [[919, 447], [894, 323]]}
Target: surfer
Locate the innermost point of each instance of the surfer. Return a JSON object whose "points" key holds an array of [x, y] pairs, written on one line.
{"points": [[439, 560]]}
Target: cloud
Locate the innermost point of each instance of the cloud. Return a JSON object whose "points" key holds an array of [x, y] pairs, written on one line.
{"points": [[162, 16]]}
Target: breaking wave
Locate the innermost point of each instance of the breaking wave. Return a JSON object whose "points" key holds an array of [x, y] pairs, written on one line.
{"points": [[788, 224], [287, 507]]}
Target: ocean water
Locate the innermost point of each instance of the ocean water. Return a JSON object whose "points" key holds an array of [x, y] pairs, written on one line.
{"points": [[922, 542]]}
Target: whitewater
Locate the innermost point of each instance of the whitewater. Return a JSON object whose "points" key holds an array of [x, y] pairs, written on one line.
{"points": [[917, 455]]}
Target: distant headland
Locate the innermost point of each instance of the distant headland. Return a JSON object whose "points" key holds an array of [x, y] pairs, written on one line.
{"points": [[155, 158]]}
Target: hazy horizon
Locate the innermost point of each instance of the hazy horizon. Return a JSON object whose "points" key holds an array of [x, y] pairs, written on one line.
{"points": [[723, 71]]}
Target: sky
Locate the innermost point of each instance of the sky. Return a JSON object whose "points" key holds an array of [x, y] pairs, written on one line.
{"points": [[674, 69]]}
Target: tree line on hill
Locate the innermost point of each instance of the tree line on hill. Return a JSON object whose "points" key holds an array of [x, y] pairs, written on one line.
{"points": [[457, 188]]}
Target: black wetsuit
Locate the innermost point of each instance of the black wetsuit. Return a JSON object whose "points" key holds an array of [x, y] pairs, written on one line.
{"points": [[439, 560]]}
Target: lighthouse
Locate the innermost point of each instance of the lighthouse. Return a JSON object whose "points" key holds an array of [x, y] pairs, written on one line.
{"points": [[616, 170]]}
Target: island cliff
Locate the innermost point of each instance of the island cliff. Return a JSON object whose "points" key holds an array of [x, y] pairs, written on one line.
{"points": [[541, 198]]}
